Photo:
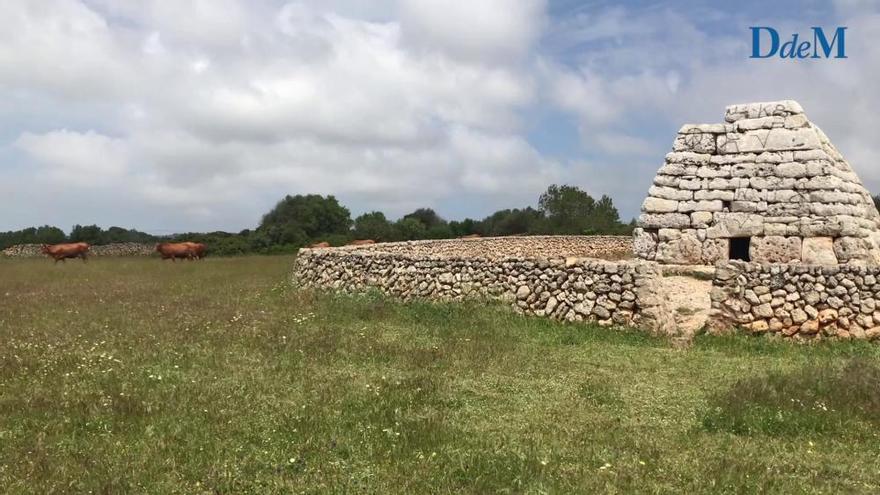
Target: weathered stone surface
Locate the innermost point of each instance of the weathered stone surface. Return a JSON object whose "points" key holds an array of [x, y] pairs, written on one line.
{"points": [[658, 205], [742, 111], [644, 244], [686, 250], [775, 249], [732, 224], [853, 250], [818, 251], [715, 250], [664, 220]]}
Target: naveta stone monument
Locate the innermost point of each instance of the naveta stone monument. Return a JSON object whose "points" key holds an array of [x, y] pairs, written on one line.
{"points": [[765, 186]]}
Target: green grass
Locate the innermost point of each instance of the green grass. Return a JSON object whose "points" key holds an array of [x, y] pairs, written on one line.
{"points": [[138, 376]]}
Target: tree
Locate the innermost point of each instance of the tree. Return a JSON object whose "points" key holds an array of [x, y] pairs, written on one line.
{"points": [[48, 235], [427, 216], [604, 218], [569, 210], [88, 233], [374, 226], [465, 227], [299, 219], [876, 201], [512, 222], [408, 229]]}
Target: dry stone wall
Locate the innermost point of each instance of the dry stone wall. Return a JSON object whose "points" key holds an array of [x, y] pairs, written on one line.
{"points": [[572, 288], [116, 249], [797, 301], [768, 175], [608, 247]]}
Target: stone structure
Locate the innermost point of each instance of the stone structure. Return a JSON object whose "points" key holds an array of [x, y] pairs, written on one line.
{"points": [[767, 186], [607, 247], [797, 301], [116, 249], [568, 288]]}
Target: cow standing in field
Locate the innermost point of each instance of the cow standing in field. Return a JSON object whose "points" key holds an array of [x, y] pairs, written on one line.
{"points": [[361, 242], [198, 248], [63, 251], [174, 250]]}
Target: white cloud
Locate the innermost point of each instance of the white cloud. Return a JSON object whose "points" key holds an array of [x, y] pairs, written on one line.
{"points": [[218, 109], [85, 159], [489, 29]]}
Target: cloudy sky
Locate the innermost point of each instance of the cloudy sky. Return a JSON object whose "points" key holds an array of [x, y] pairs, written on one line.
{"points": [[174, 115]]}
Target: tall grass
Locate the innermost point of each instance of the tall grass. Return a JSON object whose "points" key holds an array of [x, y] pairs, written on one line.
{"points": [[137, 376]]}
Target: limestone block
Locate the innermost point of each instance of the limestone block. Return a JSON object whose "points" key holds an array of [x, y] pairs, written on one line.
{"points": [[687, 250], [759, 123], [688, 158], [715, 250], [644, 244], [853, 250], [791, 169], [748, 206], [696, 141], [824, 182], [710, 194], [665, 180], [783, 108], [775, 249], [658, 205], [664, 220], [749, 194], [807, 155], [721, 184], [711, 128], [745, 169], [728, 224], [795, 121], [818, 251], [707, 205], [675, 169], [778, 139], [670, 193], [691, 184], [701, 219]]}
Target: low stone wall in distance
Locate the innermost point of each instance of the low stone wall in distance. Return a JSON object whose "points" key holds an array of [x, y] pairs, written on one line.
{"points": [[610, 247], [798, 301], [117, 249], [566, 288]]}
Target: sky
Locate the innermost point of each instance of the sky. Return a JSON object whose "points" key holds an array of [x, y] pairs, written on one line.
{"points": [[199, 115]]}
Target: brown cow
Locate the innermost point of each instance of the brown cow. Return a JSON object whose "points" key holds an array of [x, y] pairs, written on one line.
{"points": [[199, 249], [324, 244], [174, 250], [361, 242], [64, 251]]}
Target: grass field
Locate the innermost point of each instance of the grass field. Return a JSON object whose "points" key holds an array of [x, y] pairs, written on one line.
{"points": [[138, 376]]}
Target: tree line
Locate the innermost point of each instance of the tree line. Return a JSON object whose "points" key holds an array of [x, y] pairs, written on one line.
{"points": [[300, 220]]}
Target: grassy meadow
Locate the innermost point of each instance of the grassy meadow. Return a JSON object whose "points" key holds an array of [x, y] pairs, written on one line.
{"points": [[216, 377]]}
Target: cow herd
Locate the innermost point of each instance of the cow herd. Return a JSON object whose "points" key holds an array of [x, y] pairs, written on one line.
{"points": [[168, 250]]}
